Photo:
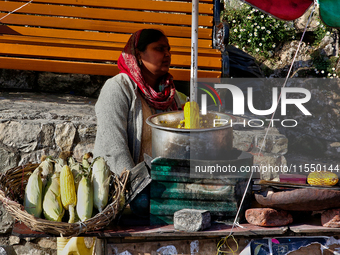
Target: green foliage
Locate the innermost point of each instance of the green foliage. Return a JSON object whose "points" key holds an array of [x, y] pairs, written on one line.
{"points": [[255, 31], [320, 32], [324, 66]]}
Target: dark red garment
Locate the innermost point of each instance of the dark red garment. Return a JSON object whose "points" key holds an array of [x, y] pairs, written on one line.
{"points": [[282, 9], [127, 63]]}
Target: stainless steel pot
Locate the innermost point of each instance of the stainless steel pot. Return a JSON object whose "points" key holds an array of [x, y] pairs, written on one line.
{"points": [[205, 143]]}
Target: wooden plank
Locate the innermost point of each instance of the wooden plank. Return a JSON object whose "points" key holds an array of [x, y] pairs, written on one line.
{"points": [[105, 14], [312, 229], [44, 65], [58, 52], [75, 43], [86, 54], [150, 5], [87, 68], [91, 35], [219, 230], [99, 25]]}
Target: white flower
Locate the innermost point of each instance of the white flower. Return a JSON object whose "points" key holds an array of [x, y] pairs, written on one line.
{"points": [[333, 68], [255, 29], [255, 24], [236, 46], [285, 25], [322, 71], [257, 49], [234, 21], [293, 37], [328, 33], [255, 34], [317, 72], [334, 74], [260, 44], [268, 31], [249, 40], [263, 28], [249, 17], [262, 16], [274, 45], [251, 34], [329, 74], [258, 27], [235, 30], [317, 23], [239, 36], [262, 39]]}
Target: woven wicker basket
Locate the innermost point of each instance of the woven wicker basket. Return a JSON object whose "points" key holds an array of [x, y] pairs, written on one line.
{"points": [[12, 189]]}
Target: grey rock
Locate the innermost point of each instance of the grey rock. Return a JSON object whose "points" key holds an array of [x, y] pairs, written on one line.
{"points": [[8, 159], [14, 240], [64, 136], [17, 79], [20, 135], [192, 220], [301, 22], [7, 250], [6, 221]]}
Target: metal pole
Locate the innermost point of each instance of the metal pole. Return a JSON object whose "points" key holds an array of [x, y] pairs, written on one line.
{"points": [[194, 55]]}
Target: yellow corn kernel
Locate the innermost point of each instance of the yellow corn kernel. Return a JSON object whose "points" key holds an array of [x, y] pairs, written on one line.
{"points": [[191, 115], [322, 178], [67, 191]]}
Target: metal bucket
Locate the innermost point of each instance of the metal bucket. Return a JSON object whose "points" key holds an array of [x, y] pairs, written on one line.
{"points": [[179, 143]]}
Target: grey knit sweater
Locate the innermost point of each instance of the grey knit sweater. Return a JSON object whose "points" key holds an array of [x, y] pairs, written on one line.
{"points": [[119, 123]]}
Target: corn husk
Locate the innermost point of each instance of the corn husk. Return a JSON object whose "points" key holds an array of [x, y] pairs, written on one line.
{"points": [[47, 170], [34, 194], [77, 171], [101, 181], [85, 198], [52, 207]]}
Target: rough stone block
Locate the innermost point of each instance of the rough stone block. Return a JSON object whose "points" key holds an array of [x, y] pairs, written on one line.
{"points": [[7, 250], [268, 217], [331, 218], [192, 220]]}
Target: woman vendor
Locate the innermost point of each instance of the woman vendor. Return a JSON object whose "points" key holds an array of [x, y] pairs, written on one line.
{"points": [[142, 88]]}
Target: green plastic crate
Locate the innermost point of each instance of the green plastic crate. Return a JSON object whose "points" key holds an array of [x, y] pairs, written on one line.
{"points": [[173, 188]]}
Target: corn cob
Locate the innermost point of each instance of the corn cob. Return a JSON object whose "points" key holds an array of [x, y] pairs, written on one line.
{"points": [[76, 169], [33, 194], [68, 192], [322, 178], [191, 115], [47, 169], [85, 198], [52, 207], [101, 181]]}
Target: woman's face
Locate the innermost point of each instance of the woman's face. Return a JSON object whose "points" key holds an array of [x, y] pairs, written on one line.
{"points": [[157, 57]]}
